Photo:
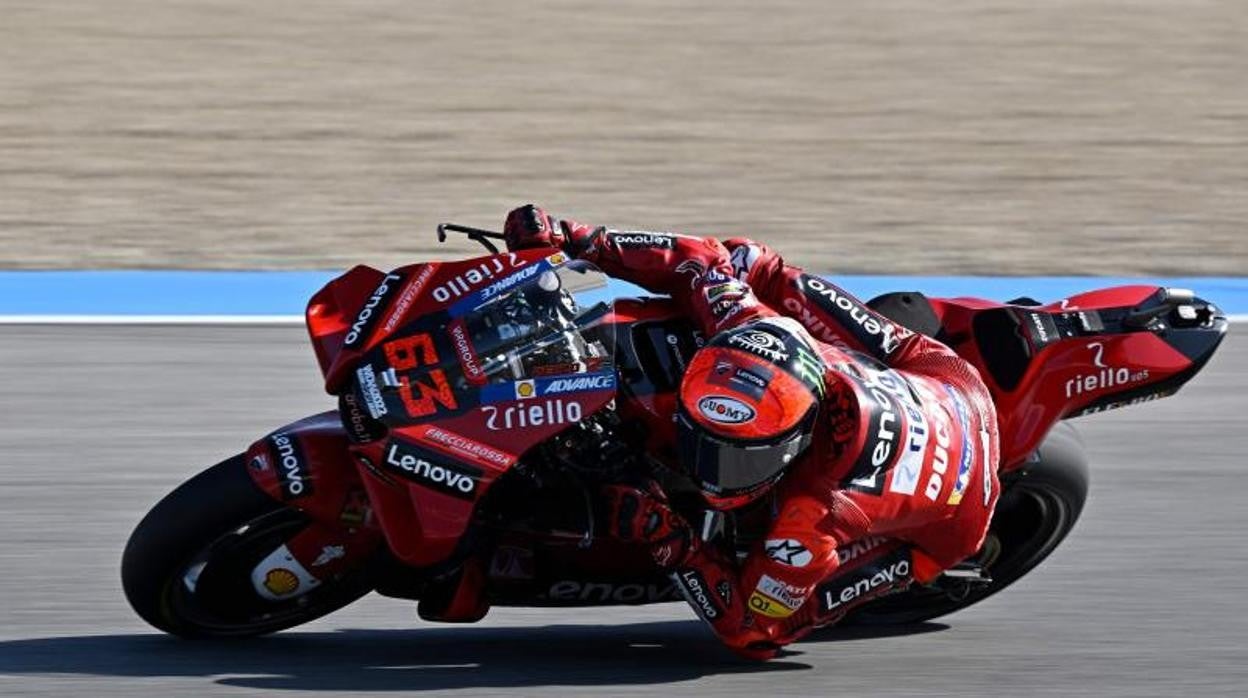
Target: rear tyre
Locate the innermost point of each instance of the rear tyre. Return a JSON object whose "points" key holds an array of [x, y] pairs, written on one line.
{"points": [[1038, 508], [187, 567]]}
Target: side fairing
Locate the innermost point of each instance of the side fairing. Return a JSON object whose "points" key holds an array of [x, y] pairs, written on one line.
{"points": [[450, 372], [334, 308], [654, 344]]}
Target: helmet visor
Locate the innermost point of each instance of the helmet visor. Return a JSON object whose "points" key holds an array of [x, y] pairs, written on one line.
{"points": [[726, 469]]}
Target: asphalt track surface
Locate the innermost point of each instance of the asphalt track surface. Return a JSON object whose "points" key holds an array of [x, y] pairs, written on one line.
{"points": [[1146, 598], [890, 136]]}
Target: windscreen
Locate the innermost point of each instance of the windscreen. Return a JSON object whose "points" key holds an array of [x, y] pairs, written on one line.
{"points": [[536, 334], [547, 326]]}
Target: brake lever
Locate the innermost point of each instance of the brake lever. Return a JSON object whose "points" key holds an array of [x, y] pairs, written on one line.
{"points": [[477, 234]]}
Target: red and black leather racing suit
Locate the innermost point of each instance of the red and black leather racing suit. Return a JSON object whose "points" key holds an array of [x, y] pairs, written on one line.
{"points": [[901, 480]]}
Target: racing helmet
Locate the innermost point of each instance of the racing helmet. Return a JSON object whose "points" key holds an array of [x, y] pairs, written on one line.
{"points": [[747, 408]]}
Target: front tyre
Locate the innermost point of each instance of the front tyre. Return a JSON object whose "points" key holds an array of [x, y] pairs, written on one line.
{"points": [[1039, 506], [187, 567]]}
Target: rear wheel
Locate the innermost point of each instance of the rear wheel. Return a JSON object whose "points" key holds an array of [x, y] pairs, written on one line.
{"points": [[1039, 506], [187, 567]]}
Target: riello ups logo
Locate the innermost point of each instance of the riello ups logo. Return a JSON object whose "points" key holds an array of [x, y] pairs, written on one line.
{"points": [[1104, 377]]}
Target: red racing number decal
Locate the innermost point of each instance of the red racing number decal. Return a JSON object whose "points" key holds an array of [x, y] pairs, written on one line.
{"points": [[421, 397]]}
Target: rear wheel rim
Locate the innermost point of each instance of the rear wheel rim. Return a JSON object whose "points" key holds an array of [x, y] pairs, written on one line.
{"points": [[1034, 519]]}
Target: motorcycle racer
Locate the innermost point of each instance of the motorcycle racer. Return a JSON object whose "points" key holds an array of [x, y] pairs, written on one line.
{"points": [[879, 444]]}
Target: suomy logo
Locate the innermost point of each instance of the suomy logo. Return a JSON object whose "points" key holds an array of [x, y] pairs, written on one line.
{"points": [[725, 410]]}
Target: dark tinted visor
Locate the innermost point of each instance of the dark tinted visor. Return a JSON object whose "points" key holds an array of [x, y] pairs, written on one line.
{"points": [[727, 469]]}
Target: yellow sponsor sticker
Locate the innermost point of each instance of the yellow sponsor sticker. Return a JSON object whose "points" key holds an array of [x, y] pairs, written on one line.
{"points": [[281, 581], [760, 603]]}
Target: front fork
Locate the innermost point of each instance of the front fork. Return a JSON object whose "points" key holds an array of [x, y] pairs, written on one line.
{"points": [[316, 554], [307, 466]]}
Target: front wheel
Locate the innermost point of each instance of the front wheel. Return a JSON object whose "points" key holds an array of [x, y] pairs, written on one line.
{"points": [[187, 567], [1039, 506]]}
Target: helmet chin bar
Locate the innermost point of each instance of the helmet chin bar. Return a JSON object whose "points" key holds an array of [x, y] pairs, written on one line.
{"points": [[730, 474]]}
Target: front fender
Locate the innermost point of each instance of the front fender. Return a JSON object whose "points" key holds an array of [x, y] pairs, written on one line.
{"points": [[307, 465]]}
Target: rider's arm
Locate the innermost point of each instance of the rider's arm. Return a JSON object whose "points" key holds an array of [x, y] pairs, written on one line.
{"points": [[695, 272], [767, 600], [780, 592], [832, 314]]}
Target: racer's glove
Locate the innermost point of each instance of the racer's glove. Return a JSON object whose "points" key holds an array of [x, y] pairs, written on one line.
{"points": [[746, 256], [529, 226], [640, 513]]}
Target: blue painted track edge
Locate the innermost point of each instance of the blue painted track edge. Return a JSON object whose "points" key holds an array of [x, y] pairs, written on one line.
{"points": [[285, 293]]}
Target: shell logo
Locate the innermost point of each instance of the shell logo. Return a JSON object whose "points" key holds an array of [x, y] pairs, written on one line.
{"points": [[281, 581], [525, 389]]}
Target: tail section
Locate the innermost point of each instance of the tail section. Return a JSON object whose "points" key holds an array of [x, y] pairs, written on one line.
{"points": [[1091, 352]]}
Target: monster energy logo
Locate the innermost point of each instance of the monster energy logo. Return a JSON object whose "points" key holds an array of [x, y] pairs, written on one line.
{"points": [[810, 369]]}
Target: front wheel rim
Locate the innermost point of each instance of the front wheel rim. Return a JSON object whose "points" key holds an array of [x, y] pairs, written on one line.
{"points": [[212, 590]]}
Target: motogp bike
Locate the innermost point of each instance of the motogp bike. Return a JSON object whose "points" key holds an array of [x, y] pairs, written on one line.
{"points": [[482, 402]]}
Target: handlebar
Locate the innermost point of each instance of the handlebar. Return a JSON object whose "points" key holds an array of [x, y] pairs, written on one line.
{"points": [[478, 234]]}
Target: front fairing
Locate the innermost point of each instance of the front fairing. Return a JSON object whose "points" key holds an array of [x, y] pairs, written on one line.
{"points": [[446, 395]]}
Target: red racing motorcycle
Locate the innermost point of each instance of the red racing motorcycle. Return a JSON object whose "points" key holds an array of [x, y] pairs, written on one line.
{"points": [[483, 402]]}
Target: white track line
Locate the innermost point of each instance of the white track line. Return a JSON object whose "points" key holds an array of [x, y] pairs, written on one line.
{"points": [[196, 319]]}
